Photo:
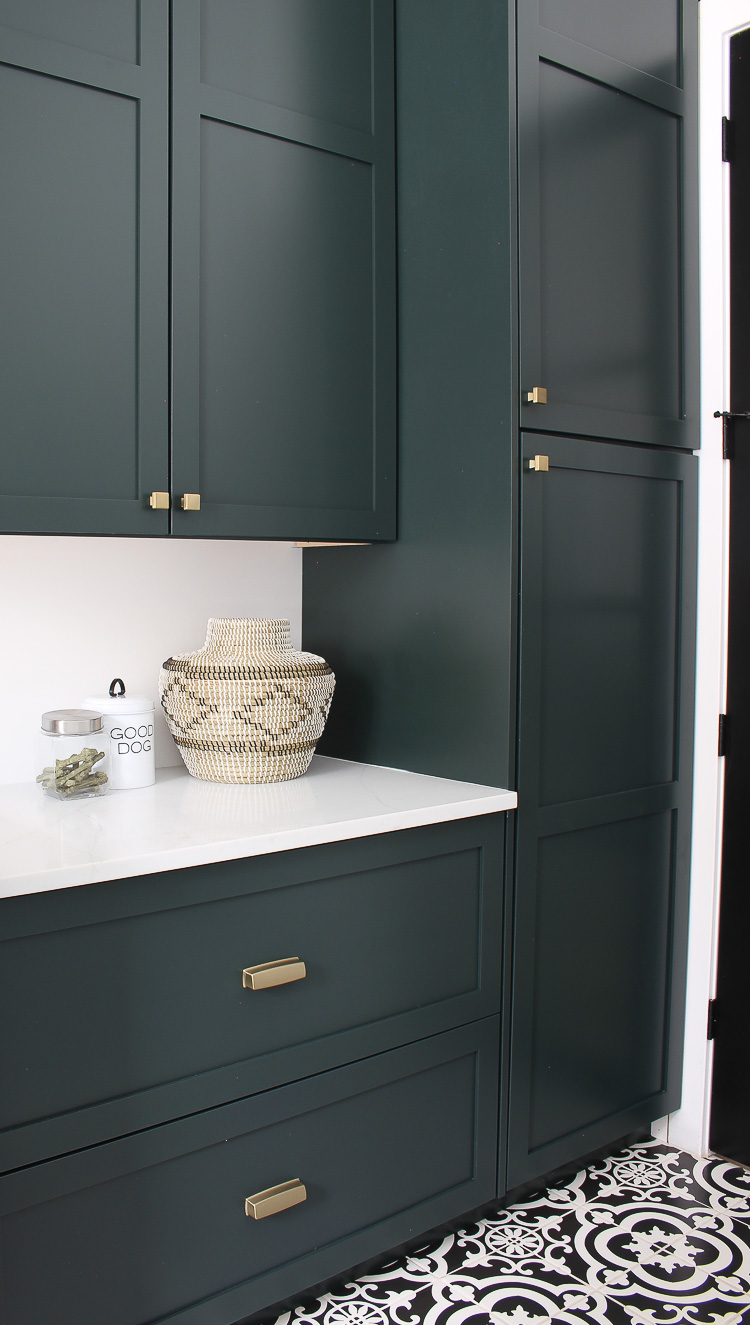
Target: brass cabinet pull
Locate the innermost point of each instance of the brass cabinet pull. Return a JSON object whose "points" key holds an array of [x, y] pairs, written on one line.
{"points": [[159, 501], [536, 396], [540, 463], [274, 1199], [273, 973], [190, 501]]}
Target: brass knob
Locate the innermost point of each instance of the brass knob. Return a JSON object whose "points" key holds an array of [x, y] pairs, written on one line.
{"points": [[159, 501], [536, 396], [191, 501], [274, 1199], [273, 973], [540, 463]]}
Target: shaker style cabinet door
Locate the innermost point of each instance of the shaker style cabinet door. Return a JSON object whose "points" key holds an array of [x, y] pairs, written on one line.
{"points": [[608, 218], [84, 264], [283, 269], [604, 796]]}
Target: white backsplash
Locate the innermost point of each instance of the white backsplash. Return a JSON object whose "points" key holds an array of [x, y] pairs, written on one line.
{"points": [[76, 612]]}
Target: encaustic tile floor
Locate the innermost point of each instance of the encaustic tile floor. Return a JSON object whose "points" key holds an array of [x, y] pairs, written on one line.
{"points": [[648, 1236]]}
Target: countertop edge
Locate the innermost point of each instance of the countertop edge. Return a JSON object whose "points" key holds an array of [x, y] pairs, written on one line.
{"points": [[105, 865]]}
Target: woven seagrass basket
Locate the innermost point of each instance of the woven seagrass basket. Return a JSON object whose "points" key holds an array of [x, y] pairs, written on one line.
{"points": [[247, 707]]}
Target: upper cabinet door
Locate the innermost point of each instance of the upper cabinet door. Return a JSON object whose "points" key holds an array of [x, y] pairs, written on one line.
{"points": [[608, 215], [283, 297], [83, 277]]}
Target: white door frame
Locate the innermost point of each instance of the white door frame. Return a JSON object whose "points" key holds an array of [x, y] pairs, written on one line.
{"points": [[688, 1126]]}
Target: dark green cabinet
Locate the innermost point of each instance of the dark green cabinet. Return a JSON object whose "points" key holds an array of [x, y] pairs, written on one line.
{"points": [[572, 589], [423, 630], [241, 353], [146, 1092], [283, 263], [399, 935], [604, 796], [153, 1226], [84, 152], [537, 628], [608, 215]]}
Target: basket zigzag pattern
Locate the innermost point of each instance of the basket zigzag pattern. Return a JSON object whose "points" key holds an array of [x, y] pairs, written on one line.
{"points": [[246, 707]]}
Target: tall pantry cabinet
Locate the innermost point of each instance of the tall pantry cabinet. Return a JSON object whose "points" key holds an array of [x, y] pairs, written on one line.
{"points": [[534, 624], [607, 151]]}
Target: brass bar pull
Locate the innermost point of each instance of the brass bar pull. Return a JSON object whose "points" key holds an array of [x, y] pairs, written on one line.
{"points": [[274, 1199], [273, 973], [540, 463], [190, 501], [536, 396], [159, 501]]}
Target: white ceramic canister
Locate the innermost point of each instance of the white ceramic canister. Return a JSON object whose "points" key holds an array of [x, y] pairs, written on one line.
{"points": [[129, 721]]}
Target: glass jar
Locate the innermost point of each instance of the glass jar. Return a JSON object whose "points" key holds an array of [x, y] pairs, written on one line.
{"points": [[72, 754]]}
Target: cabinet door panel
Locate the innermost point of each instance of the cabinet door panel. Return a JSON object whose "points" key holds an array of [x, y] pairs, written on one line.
{"points": [[644, 34], [608, 248], [288, 53], [83, 398], [610, 594], [608, 243], [68, 351], [108, 27], [605, 764], [284, 269], [601, 952], [154, 1227], [298, 251]]}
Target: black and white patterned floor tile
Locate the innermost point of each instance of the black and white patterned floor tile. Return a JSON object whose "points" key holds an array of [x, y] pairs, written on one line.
{"points": [[649, 1236]]}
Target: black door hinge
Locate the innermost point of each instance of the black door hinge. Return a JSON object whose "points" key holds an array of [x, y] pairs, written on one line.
{"points": [[726, 417], [722, 735], [713, 1018], [726, 139]]}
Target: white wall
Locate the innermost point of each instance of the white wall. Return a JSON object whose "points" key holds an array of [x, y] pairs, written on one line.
{"points": [[75, 612], [688, 1127]]}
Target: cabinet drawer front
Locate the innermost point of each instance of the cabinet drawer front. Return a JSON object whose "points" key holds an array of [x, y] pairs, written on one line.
{"points": [[154, 1226], [391, 939]]}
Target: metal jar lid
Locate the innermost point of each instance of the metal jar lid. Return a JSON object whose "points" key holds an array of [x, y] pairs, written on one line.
{"points": [[71, 722]]}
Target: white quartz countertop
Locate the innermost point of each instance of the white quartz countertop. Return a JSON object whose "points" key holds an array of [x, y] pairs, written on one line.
{"points": [[181, 821]]}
